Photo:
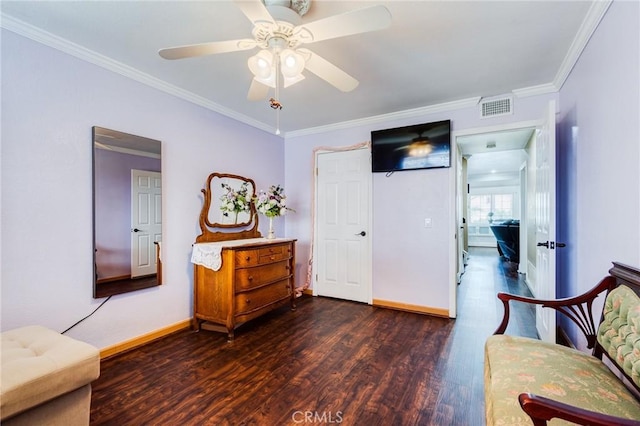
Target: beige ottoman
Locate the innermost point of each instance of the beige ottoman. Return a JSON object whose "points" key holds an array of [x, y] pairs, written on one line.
{"points": [[45, 378]]}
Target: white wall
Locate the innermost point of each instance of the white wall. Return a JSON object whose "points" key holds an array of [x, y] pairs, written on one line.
{"points": [[599, 139], [411, 264], [50, 101]]}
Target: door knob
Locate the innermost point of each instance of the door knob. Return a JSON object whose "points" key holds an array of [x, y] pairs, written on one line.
{"points": [[136, 230], [361, 233], [545, 244]]}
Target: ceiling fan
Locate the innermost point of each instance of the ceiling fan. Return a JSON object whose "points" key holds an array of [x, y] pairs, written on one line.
{"points": [[279, 38]]}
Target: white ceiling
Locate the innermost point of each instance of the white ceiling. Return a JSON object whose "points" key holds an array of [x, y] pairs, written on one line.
{"points": [[434, 52]]}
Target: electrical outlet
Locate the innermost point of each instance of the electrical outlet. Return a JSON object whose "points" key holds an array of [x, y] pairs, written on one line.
{"points": [[427, 222]]}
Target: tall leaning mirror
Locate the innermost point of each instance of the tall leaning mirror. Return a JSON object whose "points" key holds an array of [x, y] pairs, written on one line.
{"points": [[127, 212]]}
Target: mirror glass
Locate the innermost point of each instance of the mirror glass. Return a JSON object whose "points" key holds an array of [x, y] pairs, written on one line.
{"points": [[127, 212], [230, 201]]}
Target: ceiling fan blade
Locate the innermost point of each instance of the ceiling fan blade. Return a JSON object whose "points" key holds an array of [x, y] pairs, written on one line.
{"points": [[327, 71], [256, 11], [257, 91], [349, 23], [190, 51]]}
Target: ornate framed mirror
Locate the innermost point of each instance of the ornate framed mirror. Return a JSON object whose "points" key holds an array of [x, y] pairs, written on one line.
{"points": [[228, 207], [127, 212]]}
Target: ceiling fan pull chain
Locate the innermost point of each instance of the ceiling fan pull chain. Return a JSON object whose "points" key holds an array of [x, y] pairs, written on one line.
{"points": [[277, 61]]}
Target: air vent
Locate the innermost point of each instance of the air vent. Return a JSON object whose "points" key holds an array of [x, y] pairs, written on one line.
{"points": [[496, 106]]}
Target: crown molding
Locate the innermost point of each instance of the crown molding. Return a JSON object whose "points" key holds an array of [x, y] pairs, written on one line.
{"points": [[541, 89], [592, 19], [589, 24], [36, 34], [409, 113]]}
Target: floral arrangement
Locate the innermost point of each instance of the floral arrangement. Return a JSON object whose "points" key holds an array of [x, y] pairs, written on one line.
{"points": [[273, 202], [233, 201]]}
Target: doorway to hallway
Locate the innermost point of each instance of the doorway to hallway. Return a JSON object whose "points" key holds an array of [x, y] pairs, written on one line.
{"points": [[487, 274]]}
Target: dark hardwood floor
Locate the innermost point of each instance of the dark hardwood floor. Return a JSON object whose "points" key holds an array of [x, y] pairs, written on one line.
{"points": [[330, 361]]}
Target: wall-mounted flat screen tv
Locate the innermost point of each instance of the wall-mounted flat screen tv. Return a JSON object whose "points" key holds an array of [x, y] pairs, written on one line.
{"points": [[421, 146]]}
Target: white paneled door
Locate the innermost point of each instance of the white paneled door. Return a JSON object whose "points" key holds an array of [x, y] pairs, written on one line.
{"points": [[545, 286], [146, 221], [343, 240]]}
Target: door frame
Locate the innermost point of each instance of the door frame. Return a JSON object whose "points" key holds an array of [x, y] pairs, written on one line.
{"points": [[460, 195], [314, 242], [524, 217], [453, 242]]}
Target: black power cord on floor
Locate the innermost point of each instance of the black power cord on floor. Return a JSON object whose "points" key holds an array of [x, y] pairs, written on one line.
{"points": [[94, 311]]}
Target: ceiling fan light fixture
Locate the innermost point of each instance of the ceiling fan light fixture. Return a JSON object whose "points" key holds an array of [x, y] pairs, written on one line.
{"points": [[261, 64], [291, 63]]}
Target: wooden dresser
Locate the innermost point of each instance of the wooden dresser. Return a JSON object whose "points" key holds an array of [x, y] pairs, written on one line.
{"points": [[238, 275], [255, 277]]}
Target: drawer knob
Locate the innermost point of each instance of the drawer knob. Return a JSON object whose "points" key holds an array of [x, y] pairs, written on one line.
{"points": [[273, 258], [250, 278], [248, 301], [248, 258]]}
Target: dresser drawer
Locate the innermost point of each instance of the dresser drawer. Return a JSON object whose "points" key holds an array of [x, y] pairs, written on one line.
{"points": [[248, 278], [262, 255], [255, 299]]}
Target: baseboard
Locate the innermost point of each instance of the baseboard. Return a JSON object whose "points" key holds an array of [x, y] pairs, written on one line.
{"points": [[112, 279], [143, 339], [438, 312]]}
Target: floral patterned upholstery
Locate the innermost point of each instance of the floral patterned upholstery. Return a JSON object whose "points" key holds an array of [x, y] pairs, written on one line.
{"points": [[619, 332], [514, 365]]}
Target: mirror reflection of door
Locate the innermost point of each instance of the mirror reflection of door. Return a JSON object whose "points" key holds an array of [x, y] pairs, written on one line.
{"points": [[146, 221], [120, 266]]}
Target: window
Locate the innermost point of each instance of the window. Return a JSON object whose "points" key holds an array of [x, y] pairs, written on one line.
{"points": [[479, 208], [502, 206], [482, 207]]}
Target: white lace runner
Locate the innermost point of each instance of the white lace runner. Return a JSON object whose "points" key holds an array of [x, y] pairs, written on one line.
{"points": [[207, 255]]}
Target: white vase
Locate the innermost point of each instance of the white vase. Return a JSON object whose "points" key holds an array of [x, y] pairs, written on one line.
{"points": [[271, 235]]}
